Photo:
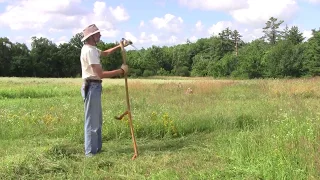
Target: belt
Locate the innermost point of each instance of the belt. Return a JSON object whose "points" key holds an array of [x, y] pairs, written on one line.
{"points": [[93, 80]]}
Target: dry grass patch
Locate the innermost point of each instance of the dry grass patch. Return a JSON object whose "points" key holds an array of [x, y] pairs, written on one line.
{"points": [[307, 88]]}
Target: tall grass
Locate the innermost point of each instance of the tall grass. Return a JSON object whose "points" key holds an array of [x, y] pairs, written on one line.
{"points": [[254, 129]]}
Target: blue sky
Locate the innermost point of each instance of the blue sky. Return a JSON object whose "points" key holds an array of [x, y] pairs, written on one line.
{"points": [[147, 22]]}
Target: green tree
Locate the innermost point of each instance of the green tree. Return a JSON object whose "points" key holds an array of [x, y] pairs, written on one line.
{"points": [[293, 35], [21, 65], [112, 61], [284, 60], [224, 67], [135, 61], [45, 61], [76, 41], [200, 65], [182, 59], [312, 53], [5, 56], [272, 34], [69, 60], [250, 60], [227, 43], [167, 61], [150, 63]]}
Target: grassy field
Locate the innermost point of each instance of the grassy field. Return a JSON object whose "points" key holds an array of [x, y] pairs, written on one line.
{"points": [[251, 129]]}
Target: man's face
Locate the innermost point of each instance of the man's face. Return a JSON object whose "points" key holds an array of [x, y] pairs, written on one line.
{"points": [[97, 37]]}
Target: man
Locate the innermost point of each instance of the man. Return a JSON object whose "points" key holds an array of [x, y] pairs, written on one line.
{"points": [[92, 74]]}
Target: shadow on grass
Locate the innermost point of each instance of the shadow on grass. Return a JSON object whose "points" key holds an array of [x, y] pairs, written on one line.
{"points": [[145, 146]]}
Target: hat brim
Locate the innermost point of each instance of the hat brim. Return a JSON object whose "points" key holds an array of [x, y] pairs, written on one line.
{"points": [[87, 36]]}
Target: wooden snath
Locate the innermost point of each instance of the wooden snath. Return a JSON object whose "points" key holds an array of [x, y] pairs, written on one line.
{"points": [[128, 111]]}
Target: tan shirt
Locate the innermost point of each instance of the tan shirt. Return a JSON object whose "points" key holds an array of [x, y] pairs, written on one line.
{"points": [[89, 55]]}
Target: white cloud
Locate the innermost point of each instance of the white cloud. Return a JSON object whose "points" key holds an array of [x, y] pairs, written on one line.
{"points": [[251, 34], [110, 33], [193, 39], [58, 15], [61, 40], [119, 13], [259, 11], [19, 18], [143, 38], [39, 35], [37, 14], [101, 16], [172, 40], [199, 26], [248, 34], [130, 36], [57, 18], [148, 39], [169, 23], [17, 39], [154, 38], [224, 5], [307, 34], [217, 28], [3, 1], [65, 7], [105, 18], [313, 1], [54, 30], [141, 24], [250, 12]]}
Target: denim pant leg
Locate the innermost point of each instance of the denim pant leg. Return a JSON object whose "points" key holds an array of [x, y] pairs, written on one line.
{"points": [[100, 128], [93, 119]]}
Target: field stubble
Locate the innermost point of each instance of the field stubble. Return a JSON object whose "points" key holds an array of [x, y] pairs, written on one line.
{"points": [[221, 129]]}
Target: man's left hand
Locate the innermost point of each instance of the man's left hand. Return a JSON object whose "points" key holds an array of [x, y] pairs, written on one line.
{"points": [[126, 42]]}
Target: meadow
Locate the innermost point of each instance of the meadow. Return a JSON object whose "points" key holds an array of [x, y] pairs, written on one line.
{"points": [[225, 129]]}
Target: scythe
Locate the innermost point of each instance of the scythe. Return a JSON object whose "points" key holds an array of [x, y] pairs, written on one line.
{"points": [[128, 111]]}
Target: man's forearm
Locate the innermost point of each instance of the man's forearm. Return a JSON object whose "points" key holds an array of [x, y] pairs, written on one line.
{"points": [[109, 74], [97, 69], [110, 51]]}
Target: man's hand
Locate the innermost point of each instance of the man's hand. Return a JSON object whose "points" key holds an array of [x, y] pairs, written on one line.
{"points": [[126, 42], [125, 68]]}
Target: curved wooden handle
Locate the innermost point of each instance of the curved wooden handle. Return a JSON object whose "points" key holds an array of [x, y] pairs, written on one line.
{"points": [[128, 112], [123, 52]]}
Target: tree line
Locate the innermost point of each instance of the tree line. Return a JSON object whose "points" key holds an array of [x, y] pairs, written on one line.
{"points": [[279, 53]]}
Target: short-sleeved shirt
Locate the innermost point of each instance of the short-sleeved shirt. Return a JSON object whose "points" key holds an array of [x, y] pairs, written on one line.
{"points": [[89, 55]]}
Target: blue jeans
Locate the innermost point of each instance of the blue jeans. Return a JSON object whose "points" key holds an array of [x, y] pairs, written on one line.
{"points": [[93, 118]]}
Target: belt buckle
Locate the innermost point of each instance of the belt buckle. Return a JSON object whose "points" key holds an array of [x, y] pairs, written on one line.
{"points": [[93, 80]]}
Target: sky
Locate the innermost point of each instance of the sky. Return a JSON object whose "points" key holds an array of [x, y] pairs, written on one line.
{"points": [[151, 22]]}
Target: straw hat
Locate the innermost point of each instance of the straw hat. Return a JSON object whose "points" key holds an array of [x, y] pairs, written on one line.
{"points": [[89, 31]]}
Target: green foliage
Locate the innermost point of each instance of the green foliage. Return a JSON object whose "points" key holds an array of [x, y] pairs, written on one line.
{"points": [[284, 60], [278, 53], [312, 54], [224, 67], [182, 71], [250, 60], [113, 61], [293, 35], [147, 73], [272, 34], [200, 65], [5, 56], [163, 72]]}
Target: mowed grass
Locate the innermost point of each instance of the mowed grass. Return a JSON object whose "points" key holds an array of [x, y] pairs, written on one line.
{"points": [[225, 129]]}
